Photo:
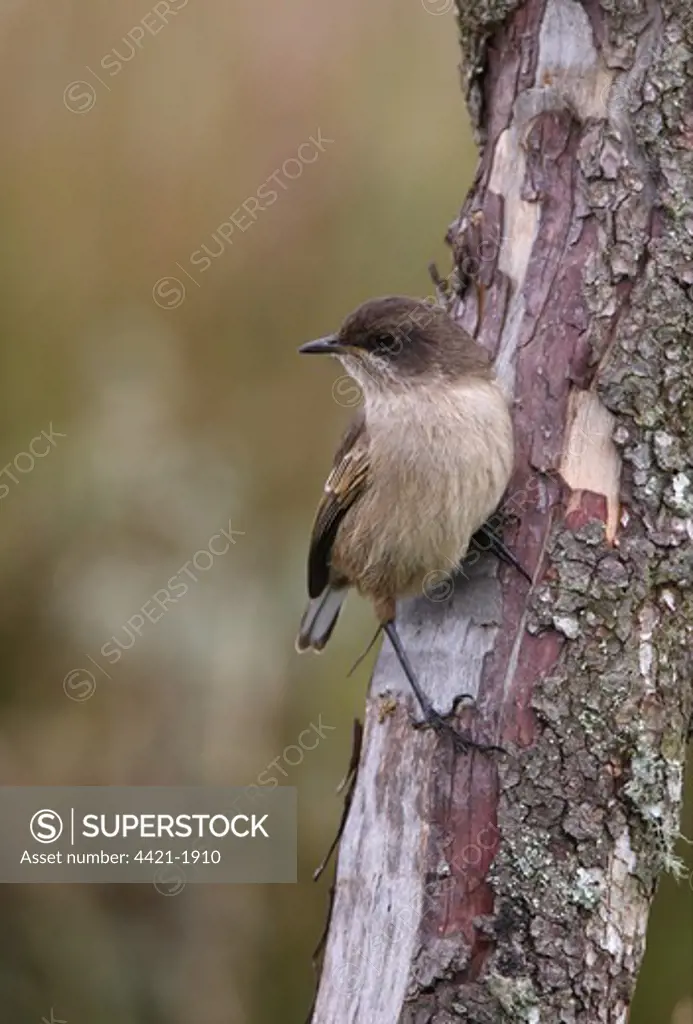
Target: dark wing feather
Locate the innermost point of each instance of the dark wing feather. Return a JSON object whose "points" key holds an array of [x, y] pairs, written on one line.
{"points": [[347, 482]]}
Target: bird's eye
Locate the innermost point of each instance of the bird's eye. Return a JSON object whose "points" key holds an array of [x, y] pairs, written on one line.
{"points": [[387, 345]]}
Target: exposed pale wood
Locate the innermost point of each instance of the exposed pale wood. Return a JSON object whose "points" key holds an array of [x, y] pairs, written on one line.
{"points": [[590, 459]]}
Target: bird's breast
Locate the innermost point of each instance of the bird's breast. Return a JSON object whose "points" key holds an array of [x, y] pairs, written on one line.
{"points": [[440, 461]]}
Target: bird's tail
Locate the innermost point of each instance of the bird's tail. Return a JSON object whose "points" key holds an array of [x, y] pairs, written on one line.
{"points": [[319, 619]]}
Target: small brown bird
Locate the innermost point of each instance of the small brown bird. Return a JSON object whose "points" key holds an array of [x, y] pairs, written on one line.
{"points": [[423, 465]]}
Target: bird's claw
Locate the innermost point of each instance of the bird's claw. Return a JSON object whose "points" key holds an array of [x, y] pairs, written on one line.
{"points": [[461, 742]]}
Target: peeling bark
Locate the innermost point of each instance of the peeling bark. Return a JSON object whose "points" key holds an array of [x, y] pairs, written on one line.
{"points": [[517, 887]]}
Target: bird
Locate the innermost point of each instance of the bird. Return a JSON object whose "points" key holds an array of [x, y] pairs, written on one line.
{"points": [[422, 466]]}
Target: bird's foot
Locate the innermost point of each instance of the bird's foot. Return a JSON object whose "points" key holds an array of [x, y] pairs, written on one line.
{"points": [[461, 741]]}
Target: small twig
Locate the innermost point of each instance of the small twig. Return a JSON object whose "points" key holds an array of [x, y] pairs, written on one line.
{"points": [[348, 783], [362, 656], [441, 285]]}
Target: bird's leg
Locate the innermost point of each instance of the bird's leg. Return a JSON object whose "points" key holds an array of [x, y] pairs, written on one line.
{"points": [[424, 702], [431, 717]]}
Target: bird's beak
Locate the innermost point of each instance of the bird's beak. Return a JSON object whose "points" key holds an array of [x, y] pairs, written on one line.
{"points": [[329, 345]]}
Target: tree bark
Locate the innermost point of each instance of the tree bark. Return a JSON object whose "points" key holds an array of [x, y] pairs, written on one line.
{"points": [[516, 887]]}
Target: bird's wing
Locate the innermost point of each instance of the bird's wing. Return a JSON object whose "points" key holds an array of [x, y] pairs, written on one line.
{"points": [[346, 483]]}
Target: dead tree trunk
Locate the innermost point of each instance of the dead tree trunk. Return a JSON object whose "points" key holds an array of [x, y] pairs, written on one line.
{"points": [[517, 887]]}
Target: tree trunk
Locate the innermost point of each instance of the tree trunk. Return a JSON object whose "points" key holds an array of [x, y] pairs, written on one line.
{"points": [[516, 887]]}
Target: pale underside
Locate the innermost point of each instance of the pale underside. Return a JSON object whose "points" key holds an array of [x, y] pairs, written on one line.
{"points": [[440, 462]]}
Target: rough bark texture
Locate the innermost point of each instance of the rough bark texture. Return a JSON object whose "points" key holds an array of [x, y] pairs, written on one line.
{"points": [[517, 887]]}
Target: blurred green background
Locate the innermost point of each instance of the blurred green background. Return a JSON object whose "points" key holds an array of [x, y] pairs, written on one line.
{"points": [[130, 134]]}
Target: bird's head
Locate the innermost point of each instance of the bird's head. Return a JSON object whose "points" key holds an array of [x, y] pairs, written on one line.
{"points": [[398, 342]]}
